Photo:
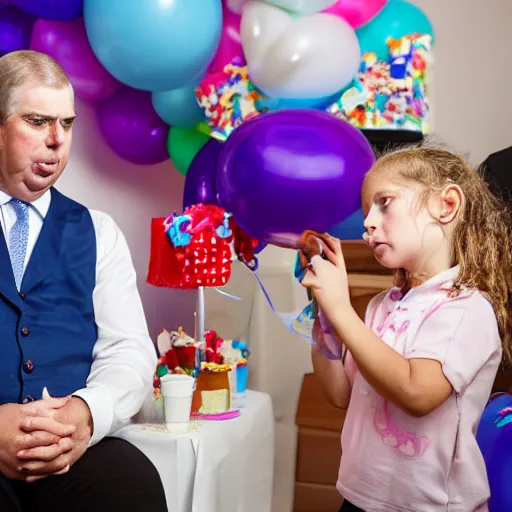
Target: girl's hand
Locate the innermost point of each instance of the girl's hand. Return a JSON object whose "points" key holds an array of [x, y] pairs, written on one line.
{"points": [[328, 279]]}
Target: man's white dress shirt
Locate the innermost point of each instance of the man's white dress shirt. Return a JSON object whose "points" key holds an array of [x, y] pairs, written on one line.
{"points": [[124, 357]]}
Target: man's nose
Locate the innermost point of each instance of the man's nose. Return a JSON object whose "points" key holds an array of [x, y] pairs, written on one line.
{"points": [[55, 137]]}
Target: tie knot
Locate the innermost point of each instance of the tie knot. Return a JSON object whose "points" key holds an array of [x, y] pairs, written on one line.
{"points": [[20, 207]]}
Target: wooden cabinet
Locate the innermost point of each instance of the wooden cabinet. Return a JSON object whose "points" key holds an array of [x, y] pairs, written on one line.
{"points": [[318, 450]]}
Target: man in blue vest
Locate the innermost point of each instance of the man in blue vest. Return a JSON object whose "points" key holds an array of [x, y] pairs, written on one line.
{"points": [[71, 319]]}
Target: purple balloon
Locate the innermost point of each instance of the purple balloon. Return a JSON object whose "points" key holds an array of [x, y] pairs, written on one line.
{"points": [[292, 170], [66, 42], [132, 128], [200, 181], [15, 29], [52, 9]]}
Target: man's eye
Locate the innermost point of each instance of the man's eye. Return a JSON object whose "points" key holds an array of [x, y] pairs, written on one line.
{"points": [[37, 122], [385, 201]]}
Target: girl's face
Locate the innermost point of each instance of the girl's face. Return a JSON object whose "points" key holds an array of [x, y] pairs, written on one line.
{"points": [[400, 229]]}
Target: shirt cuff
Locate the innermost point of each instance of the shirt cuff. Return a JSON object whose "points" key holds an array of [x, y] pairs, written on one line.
{"points": [[102, 410]]}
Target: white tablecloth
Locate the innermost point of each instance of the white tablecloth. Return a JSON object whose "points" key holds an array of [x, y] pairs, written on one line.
{"points": [[224, 466]]}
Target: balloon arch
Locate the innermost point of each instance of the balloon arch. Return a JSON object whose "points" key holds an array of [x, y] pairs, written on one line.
{"points": [[258, 102]]}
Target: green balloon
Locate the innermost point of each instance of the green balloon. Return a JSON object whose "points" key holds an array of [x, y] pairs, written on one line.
{"points": [[183, 145]]}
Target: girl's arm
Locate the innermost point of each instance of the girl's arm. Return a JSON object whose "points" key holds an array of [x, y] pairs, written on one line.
{"points": [[417, 386], [332, 377]]}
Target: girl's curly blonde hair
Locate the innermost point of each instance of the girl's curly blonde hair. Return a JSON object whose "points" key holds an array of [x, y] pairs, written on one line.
{"points": [[482, 239]]}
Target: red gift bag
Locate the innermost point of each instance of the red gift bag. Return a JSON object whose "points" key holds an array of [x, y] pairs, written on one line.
{"points": [[205, 261]]}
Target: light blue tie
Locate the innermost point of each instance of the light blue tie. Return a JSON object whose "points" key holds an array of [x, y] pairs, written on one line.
{"points": [[18, 239]]}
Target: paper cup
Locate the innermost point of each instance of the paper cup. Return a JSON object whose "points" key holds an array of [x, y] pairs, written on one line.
{"points": [[177, 391]]}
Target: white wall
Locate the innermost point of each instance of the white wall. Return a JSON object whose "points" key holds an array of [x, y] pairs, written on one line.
{"points": [[472, 113], [471, 92]]}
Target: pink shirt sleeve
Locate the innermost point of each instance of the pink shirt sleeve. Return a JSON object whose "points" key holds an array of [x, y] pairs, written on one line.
{"points": [[462, 334]]}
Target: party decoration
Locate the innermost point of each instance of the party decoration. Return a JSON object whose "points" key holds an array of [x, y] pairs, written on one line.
{"points": [[230, 46], [200, 182], [351, 228], [390, 94], [356, 12], [178, 107], [66, 42], [51, 9], [235, 6], [203, 127], [397, 19], [183, 145], [306, 57], [494, 438], [302, 6], [15, 29], [266, 104], [132, 128], [154, 45], [228, 99], [192, 249], [292, 170]]}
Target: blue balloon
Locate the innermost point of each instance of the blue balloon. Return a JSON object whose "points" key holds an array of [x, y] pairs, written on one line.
{"points": [[351, 228], [397, 19], [271, 104], [178, 107], [154, 45], [52, 9], [494, 438]]}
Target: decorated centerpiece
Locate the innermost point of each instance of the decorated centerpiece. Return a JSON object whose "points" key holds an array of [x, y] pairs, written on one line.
{"points": [[193, 250], [218, 361]]}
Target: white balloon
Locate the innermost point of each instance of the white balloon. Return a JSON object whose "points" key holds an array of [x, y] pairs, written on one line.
{"points": [[302, 6], [289, 57]]}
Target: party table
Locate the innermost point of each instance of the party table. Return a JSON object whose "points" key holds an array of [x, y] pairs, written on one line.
{"points": [[218, 466]]}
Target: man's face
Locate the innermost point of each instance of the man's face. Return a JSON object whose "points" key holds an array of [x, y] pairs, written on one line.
{"points": [[35, 141]]}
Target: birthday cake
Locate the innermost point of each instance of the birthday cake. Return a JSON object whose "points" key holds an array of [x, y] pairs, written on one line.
{"points": [[219, 366], [213, 393]]}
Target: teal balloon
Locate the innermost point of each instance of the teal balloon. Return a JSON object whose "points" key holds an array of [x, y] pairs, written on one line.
{"points": [[270, 104], [397, 19], [178, 107], [154, 45], [267, 104]]}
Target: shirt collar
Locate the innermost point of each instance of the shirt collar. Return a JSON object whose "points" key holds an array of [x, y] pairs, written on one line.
{"points": [[41, 205], [442, 281]]}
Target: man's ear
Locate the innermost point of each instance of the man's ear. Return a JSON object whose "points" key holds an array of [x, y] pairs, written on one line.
{"points": [[448, 204]]}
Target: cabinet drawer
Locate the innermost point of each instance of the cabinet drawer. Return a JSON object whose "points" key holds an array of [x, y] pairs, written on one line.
{"points": [[318, 456], [316, 498]]}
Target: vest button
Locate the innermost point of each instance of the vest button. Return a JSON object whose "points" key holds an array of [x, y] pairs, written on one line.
{"points": [[25, 331], [28, 366], [28, 399]]}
